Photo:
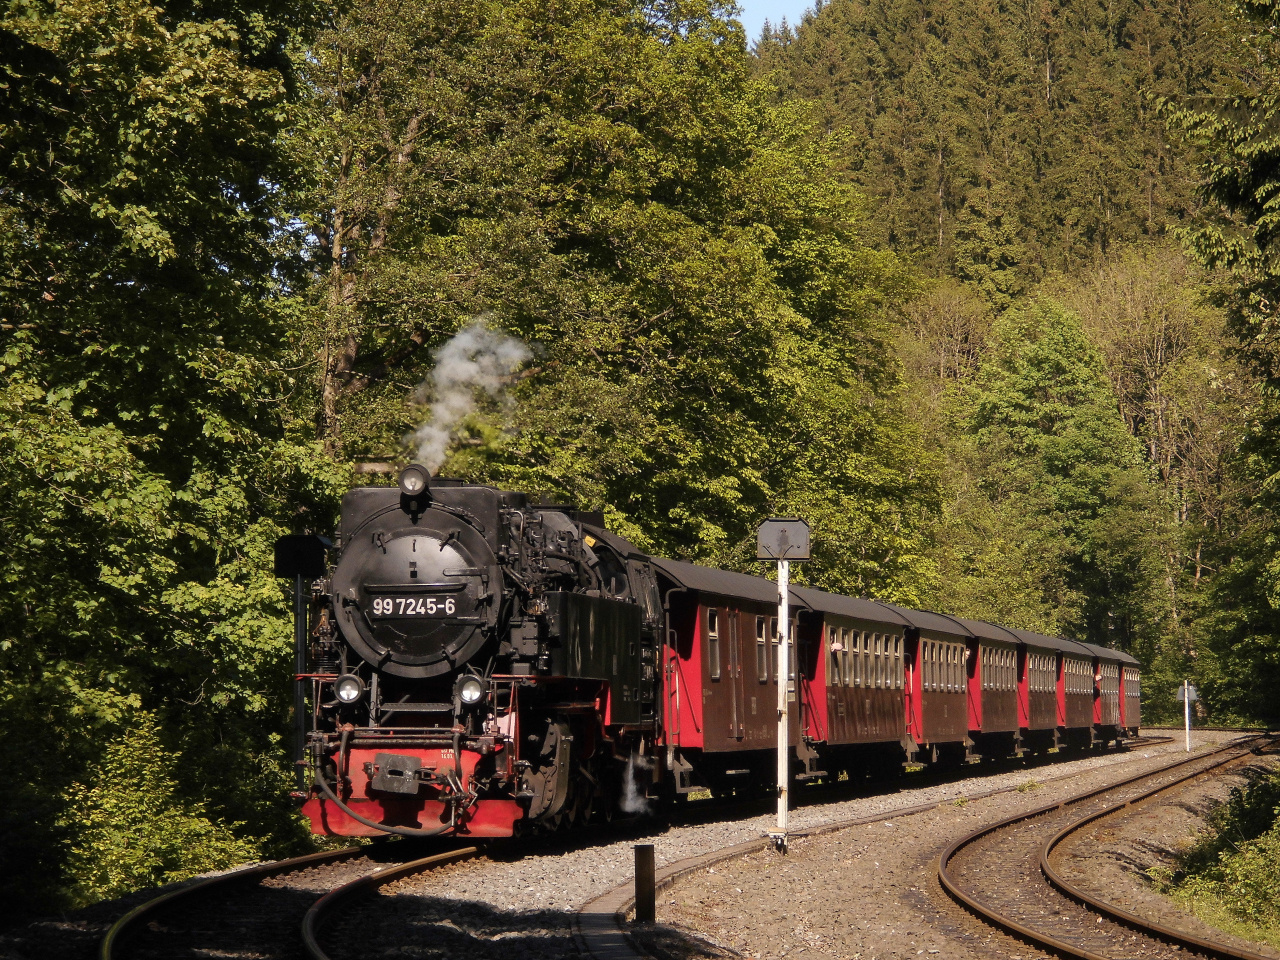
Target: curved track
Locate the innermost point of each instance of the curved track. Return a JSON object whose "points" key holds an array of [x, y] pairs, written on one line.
{"points": [[323, 909], [1003, 874], [245, 913]]}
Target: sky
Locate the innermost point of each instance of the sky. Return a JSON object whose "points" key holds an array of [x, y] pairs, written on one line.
{"points": [[756, 12]]}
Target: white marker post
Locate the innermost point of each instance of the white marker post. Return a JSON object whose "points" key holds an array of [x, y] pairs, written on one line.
{"points": [[784, 725], [1186, 695], [783, 540]]}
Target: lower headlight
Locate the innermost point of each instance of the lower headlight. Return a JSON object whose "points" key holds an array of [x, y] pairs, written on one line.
{"points": [[348, 688], [470, 690]]}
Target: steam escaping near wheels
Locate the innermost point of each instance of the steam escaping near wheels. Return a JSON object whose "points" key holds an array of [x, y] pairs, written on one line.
{"points": [[633, 799], [477, 358]]}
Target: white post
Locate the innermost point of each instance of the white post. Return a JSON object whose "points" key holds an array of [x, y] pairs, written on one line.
{"points": [[1186, 709], [784, 744]]}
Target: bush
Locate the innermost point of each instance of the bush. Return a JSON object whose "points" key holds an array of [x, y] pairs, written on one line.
{"points": [[1231, 873], [133, 830]]}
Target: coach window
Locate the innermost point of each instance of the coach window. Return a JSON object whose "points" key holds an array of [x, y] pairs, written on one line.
{"points": [[762, 654], [713, 643], [795, 649], [773, 646], [866, 658], [875, 661], [897, 662]]}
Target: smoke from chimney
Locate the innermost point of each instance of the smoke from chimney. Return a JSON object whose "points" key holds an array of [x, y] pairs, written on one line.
{"points": [[478, 358]]}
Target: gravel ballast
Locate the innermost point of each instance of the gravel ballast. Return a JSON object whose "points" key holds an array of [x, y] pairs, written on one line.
{"points": [[528, 902]]}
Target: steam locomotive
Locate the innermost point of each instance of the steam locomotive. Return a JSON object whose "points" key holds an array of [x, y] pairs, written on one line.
{"points": [[478, 665]]}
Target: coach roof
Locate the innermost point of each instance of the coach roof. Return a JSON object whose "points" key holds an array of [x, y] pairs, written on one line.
{"points": [[987, 631], [1106, 653], [1049, 643], [928, 620], [723, 582], [855, 607]]}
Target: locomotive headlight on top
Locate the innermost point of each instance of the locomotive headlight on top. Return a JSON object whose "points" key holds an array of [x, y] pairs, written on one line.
{"points": [[470, 690], [414, 480], [348, 688]]}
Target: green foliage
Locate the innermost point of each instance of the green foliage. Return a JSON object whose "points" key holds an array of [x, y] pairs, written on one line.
{"points": [[1231, 870], [1002, 141], [1052, 531], [709, 320], [132, 827], [144, 470], [1235, 131]]}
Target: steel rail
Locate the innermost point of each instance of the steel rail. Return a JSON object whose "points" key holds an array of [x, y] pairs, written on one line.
{"points": [[1037, 936], [600, 924], [126, 924], [1118, 913], [317, 914]]}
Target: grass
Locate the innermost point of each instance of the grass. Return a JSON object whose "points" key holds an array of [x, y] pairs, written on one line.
{"points": [[1229, 877]]}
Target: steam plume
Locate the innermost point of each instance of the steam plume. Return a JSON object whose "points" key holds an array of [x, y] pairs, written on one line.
{"points": [[632, 799], [477, 358]]}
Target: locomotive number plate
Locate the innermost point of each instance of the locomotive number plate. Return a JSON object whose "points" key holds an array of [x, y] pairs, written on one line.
{"points": [[414, 607]]}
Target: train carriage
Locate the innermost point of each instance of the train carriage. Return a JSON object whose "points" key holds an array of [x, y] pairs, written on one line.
{"points": [[992, 697], [936, 682], [1075, 690], [1130, 694], [721, 669], [1039, 661], [1108, 714], [861, 678]]}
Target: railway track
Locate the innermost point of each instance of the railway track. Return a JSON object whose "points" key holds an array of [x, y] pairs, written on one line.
{"points": [[1005, 874], [272, 910], [281, 910]]}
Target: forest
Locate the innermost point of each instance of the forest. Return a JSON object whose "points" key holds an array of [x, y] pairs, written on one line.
{"points": [[984, 292]]}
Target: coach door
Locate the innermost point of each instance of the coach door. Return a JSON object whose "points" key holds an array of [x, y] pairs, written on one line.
{"points": [[733, 623]]}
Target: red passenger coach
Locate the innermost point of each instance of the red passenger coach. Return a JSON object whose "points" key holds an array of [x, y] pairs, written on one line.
{"points": [[1110, 709], [936, 682], [1130, 695], [859, 680], [720, 712], [1075, 694], [993, 687], [1040, 713]]}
